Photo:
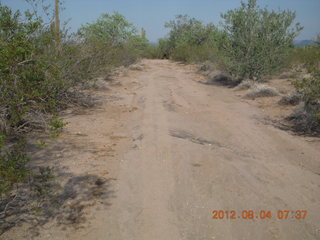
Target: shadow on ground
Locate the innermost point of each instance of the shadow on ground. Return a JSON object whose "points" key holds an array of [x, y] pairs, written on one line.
{"points": [[53, 194], [221, 80]]}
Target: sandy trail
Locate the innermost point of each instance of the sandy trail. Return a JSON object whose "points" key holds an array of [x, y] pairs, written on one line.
{"points": [[190, 149], [198, 149]]}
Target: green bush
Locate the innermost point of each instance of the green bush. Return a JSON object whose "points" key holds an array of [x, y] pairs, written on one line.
{"points": [[39, 77], [32, 81], [114, 40], [190, 40], [305, 57], [308, 57], [257, 40], [153, 52], [309, 88], [164, 48]]}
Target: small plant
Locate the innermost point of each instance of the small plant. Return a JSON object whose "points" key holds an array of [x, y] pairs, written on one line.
{"points": [[41, 144], [13, 166], [42, 180], [55, 126]]}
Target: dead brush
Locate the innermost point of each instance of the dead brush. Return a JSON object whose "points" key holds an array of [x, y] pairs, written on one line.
{"points": [[261, 90], [244, 85], [292, 99], [136, 67]]}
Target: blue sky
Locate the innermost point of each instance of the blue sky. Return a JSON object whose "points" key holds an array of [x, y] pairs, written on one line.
{"points": [[152, 14]]}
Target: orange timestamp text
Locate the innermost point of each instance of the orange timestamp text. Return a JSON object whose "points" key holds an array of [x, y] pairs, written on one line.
{"points": [[260, 214]]}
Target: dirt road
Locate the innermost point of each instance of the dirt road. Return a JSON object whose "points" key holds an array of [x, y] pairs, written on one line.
{"points": [[182, 149]]}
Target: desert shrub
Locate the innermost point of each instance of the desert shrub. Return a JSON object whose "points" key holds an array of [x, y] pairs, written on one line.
{"points": [[257, 39], [285, 75], [206, 66], [304, 57], [193, 54], [223, 79], [309, 88], [29, 78], [153, 52], [164, 48], [136, 67], [190, 40], [139, 45], [13, 161], [35, 75], [113, 39], [290, 99], [33, 80], [39, 76], [261, 90], [246, 84]]}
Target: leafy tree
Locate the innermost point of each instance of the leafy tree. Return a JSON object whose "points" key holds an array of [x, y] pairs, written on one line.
{"points": [[189, 39], [184, 28], [110, 29], [138, 44], [257, 39], [164, 48], [113, 39]]}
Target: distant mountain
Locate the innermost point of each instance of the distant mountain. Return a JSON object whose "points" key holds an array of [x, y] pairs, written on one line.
{"points": [[300, 43]]}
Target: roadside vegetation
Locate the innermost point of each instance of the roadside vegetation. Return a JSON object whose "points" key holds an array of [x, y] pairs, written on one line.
{"points": [[251, 45], [41, 75], [308, 58]]}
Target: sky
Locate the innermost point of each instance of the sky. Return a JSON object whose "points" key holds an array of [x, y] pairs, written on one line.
{"points": [[152, 14]]}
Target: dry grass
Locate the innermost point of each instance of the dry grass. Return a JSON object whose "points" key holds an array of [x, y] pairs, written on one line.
{"points": [[261, 90], [304, 121], [98, 84], [290, 99], [136, 67], [286, 75], [244, 85]]}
